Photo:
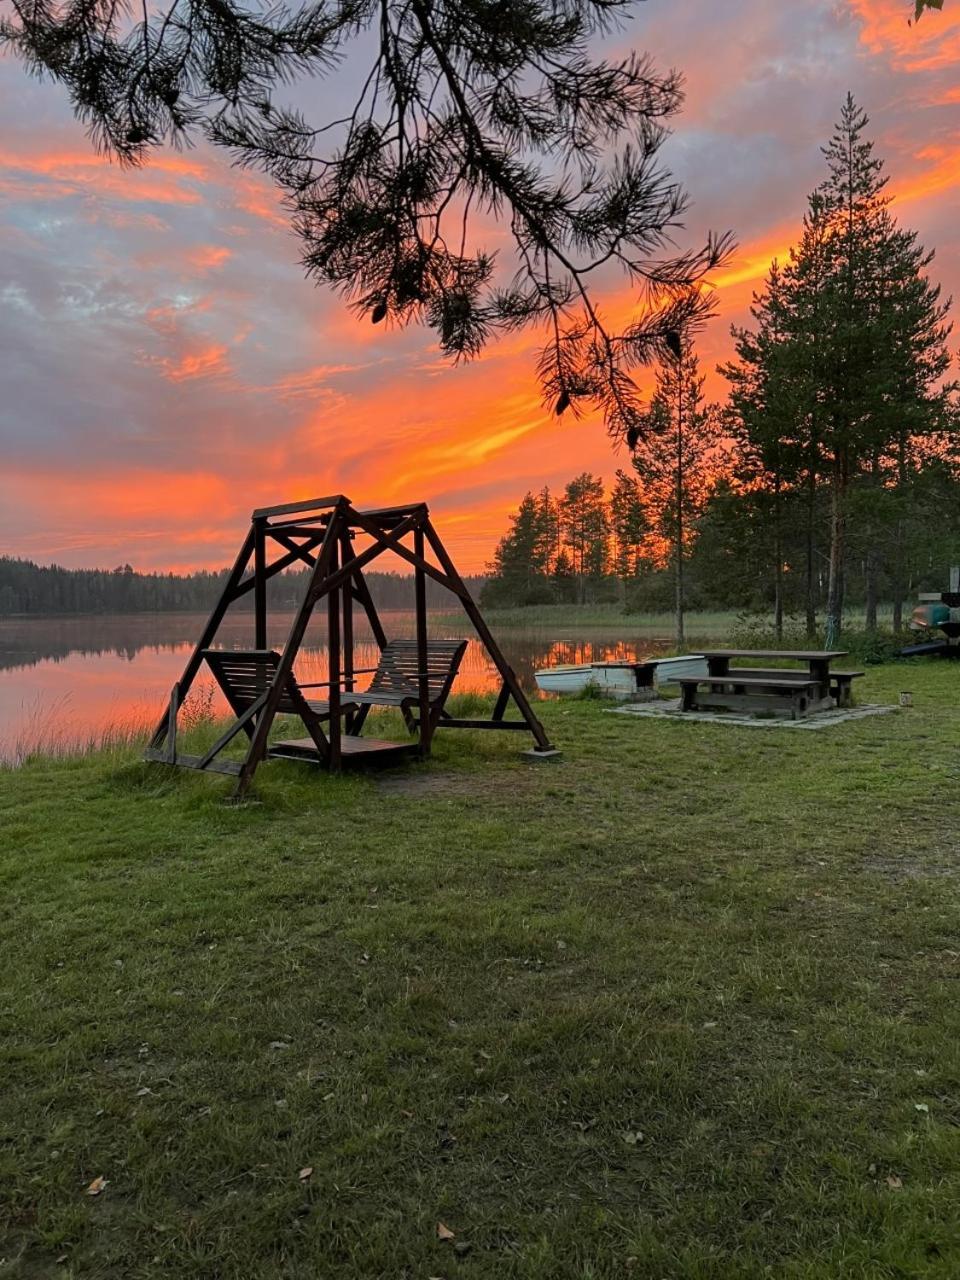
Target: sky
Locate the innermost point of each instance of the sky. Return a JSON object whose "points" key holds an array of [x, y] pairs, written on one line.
{"points": [[165, 367]]}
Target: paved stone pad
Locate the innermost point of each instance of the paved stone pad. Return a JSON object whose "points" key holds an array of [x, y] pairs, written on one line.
{"points": [[819, 720]]}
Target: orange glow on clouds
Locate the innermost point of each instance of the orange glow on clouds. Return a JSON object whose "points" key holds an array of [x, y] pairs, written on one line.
{"points": [[178, 370]]}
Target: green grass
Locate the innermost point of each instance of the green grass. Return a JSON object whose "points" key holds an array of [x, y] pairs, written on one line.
{"points": [[681, 1005]]}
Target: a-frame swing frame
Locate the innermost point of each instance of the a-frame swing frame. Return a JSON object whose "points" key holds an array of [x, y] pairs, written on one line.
{"points": [[321, 533]]}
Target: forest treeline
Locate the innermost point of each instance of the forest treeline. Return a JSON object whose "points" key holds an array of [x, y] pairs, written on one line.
{"points": [[28, 588], [829, 476]]}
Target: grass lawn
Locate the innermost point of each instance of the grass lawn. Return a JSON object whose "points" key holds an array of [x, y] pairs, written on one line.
{"points": [[683, 1004]]}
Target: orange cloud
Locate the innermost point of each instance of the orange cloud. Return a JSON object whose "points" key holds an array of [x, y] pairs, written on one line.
{"points": [[208, 257], [931, 44], [206, 362], [86, 173]]}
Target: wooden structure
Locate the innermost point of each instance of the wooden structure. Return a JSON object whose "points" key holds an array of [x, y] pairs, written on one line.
{"points": [[769, 690], [413, 675]]}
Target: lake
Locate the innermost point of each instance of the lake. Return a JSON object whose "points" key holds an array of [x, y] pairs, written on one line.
{"points": [[69, 681]]}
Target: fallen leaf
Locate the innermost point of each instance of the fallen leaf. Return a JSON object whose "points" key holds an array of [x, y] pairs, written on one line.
{"points": [[305, 1172], [96, 1186], [633, 1139], [444, 1232], [893, 1182], [920, 1106]]}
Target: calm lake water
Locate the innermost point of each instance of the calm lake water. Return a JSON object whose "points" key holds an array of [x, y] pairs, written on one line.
{"points": [[68, 681]]}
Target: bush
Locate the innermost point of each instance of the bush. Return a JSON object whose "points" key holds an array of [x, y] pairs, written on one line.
{"points": [[868, 647]]}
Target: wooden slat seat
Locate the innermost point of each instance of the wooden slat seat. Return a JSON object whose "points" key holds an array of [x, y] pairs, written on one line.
{"points": [[396, 681], [736, 692], [246, 675]]}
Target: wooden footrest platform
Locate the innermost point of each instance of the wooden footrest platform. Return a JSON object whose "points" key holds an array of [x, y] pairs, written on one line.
{"points": [[159, 756], [354, 751]]}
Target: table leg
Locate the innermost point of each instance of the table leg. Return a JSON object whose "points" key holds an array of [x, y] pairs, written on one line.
{"points": [[820, 671]]}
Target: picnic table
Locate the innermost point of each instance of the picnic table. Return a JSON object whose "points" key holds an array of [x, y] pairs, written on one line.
{"points": [[799, 692]]}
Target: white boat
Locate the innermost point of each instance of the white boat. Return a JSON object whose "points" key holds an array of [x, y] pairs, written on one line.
{"points": [[689, 664], [620, 679], [563, 679]]}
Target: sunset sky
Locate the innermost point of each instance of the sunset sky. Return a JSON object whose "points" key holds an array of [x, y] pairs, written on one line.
{"points": [[165, 367]]}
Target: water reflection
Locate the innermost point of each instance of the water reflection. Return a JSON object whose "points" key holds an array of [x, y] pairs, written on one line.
{"points": [[65, 681]]}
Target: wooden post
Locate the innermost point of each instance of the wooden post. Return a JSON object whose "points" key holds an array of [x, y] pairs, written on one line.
{"points": [[423, 679], [347, 608], [259, 585], [258, 743], [334, 727]]}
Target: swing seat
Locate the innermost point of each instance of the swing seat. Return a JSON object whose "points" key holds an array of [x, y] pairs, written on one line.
{"points": [[396, 679]]}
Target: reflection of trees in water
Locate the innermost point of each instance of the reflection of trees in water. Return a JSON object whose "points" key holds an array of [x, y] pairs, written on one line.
{"points": [[27, 642], [31, 642]]}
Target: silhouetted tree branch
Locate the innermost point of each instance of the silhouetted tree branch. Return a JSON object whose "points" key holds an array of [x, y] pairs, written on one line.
{"points": [[467, 112]]}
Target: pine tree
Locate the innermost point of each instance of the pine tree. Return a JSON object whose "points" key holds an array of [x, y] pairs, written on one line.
{"points": [[678, 436], [629, 525], [841, 378], [853, 208], [548, 531], [518, 573], [451, 114], [764, 418], [585, 530]]}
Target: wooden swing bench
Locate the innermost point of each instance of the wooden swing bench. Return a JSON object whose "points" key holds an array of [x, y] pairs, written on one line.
{"points": [[246, 677], [337, 541]]}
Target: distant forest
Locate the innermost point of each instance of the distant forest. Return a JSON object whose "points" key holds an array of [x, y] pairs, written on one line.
{"points": [[28, 588]]}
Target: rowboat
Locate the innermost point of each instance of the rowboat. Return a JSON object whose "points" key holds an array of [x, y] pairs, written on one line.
{"points": [[620, 679]]}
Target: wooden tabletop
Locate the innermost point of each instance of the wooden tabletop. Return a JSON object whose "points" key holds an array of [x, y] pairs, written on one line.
{"points": [[801, 655]]}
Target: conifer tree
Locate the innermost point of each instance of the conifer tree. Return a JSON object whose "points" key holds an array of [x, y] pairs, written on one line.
{"points": [[762, 417], [843, 373], [585, 530], [678, 436], [629, 525], [518, 572]]}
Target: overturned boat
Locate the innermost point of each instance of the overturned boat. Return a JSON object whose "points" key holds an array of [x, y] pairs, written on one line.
{"points": [[937, 611], [639, 679]]}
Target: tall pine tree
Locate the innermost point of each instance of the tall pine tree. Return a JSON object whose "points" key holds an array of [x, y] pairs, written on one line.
{"points": [[678, 436]]}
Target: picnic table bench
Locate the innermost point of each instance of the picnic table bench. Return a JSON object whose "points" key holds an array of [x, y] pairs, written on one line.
{"points": [[775, 690]]}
